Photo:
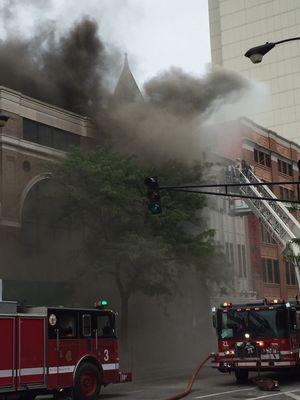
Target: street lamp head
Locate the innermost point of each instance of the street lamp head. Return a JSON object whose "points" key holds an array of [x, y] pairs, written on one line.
{"points": [[256, 53], [256, 58]]}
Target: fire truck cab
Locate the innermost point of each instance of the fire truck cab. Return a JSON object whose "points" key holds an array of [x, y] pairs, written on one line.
{"points": [[57, 349], [260, 336]]}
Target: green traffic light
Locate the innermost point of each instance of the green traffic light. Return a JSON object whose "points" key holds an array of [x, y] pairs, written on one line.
{"points": [[104, 302], [154, 208]]}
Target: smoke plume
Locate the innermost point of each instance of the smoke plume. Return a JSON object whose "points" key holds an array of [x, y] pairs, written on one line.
{"points": [[72, 71], [66, 71], [187, 96], [168, 123]]}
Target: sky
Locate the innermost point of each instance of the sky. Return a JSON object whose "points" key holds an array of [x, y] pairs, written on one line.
{"points": [[156, 34]]}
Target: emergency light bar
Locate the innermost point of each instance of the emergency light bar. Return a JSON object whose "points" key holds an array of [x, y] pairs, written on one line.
{"points": [[101, 303], [275, 301], [226, 304]]}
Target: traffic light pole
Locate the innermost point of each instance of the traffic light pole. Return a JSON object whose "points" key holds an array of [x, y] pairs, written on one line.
{"points": [[227, 186]]}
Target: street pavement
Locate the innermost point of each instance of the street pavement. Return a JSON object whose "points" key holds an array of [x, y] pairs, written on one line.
{"points": [[210, 385]]}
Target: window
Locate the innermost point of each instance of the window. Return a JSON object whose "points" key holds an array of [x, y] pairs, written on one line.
{"points": [[67, 325], [60, 140], [105, 326], [231, 253], [30, 130], [227, 250], [86, 325], [286, 194], [240, 267], [290, 274], [265, 236], [270, 270], [242, 260], [48, 135], [262, 158], [285, 167], [260, 323], [45, 135]]}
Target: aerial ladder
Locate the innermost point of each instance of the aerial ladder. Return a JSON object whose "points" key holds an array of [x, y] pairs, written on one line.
{"points": [[277, 219]]}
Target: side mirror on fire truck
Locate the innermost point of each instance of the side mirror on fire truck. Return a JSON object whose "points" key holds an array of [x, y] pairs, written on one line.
{"points": [[153, 195]]}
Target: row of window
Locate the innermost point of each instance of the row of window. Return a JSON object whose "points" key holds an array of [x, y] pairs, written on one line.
{"points": [[260, 157], [48, 135], [270, 269], [241, 254], [70, 325]]}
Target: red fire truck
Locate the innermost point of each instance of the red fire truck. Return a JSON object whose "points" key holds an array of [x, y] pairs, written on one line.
{"points": [[262, 335], [57, 349]]}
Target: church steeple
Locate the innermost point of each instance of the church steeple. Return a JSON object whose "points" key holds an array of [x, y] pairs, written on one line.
{"points": [[127, 89]]}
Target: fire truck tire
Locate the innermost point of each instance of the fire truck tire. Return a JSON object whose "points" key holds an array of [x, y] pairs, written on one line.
{"points": [[87, 382], [241, 375]]}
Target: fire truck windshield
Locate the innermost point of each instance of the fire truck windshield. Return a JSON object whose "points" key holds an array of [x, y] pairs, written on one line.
{"points": [[263, 323]]}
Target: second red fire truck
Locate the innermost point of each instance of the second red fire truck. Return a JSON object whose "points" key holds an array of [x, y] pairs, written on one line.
{"points": [[259, 336], [57, 349]]}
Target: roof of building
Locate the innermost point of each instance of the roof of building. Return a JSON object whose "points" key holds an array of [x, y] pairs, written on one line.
{"points": [[248, 121], [12, 101], [127, 89]]}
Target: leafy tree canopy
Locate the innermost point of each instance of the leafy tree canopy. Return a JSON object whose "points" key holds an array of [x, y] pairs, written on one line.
{"points": [[104, 194]]}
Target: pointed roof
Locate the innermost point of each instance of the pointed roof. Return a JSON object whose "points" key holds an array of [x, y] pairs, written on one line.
{"points": [[127, 89]]}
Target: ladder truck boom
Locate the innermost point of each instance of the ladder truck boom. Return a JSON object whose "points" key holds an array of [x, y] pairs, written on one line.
{"points": [[280, 223]]}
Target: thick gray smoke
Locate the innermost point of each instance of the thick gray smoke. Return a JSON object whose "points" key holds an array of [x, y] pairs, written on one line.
{"points": [[168, 123], [187, 96], [71, 71], [66, 71]]}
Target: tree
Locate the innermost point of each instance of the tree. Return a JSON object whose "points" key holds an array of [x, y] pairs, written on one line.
{"points": [[103, 191]]}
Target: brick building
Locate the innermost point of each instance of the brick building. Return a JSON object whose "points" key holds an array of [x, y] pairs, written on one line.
{"points": [[274, 159]]}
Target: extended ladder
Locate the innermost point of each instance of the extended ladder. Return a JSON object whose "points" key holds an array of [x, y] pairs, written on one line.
{"points": [[280, 223]]}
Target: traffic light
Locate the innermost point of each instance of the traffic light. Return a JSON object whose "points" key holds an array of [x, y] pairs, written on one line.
{"points": [[153, 195]]}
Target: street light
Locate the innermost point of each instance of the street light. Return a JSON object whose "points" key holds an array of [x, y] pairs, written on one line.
{"points": [[256, 53]]}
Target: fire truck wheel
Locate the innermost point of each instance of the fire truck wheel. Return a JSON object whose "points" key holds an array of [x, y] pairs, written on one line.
{"points": [[241, 375], [87, 383]]}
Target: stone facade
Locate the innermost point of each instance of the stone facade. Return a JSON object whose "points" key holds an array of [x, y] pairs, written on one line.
{"points": [[24, 161]]}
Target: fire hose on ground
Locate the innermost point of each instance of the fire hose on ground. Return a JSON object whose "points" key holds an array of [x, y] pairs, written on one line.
{"points": [[265, 384], [191, 382]]}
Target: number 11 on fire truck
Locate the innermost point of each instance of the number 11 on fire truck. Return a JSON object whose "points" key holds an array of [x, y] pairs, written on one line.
{"points": [[257, 336]]}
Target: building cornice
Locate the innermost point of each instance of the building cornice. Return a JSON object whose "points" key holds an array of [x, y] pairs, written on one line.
{"points": [[36, 110], [30, 148], [269, 133]]}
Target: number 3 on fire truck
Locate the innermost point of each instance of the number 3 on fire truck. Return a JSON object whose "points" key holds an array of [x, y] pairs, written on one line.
{"points": [[106, 355]]}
